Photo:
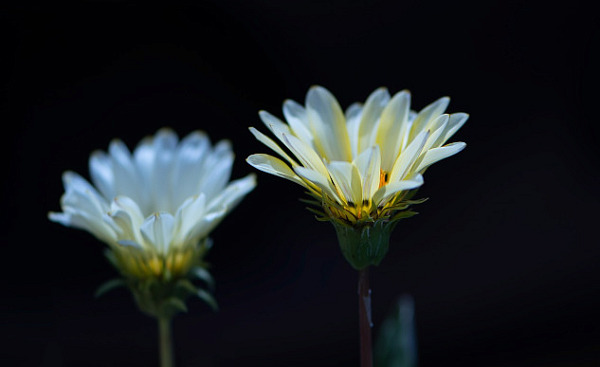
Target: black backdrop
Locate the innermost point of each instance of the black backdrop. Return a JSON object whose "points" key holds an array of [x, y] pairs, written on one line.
{"points": [[502, 261]]}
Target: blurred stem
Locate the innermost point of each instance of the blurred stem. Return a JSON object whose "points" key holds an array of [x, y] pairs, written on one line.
{"points": [[364, 318], [165, 342]]}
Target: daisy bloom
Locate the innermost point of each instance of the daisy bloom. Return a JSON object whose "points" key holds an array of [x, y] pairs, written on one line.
{"points": [[362, 166], [155, 208]]}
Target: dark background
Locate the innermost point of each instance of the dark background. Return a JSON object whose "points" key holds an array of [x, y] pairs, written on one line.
{"points": [[502, 261]]}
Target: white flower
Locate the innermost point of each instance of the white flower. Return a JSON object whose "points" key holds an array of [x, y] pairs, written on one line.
{"points": [[360, 164], [152, 207]]}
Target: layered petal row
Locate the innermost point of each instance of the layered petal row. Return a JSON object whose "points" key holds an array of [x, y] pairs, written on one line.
{"points": [[362, 163], [155, 202]]}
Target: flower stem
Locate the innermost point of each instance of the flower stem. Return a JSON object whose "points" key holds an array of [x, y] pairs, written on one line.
{"points": [[364, 318], [165, 342]]}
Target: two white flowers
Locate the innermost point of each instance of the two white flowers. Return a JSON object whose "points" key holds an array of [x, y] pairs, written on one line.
{"points": [[153, 206]]}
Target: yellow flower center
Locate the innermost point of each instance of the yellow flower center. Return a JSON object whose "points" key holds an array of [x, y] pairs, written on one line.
{"points": [[142, 264], [354, 212]]}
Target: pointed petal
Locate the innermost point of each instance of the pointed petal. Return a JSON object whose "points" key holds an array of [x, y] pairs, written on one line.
{"points": [[81, 195], [392, 128], [187, 170], [305, 154], [157, 231], [126, 177], [385, 193], [271, 121], [369, 166], [408, 157], [457, 120], [271, 144], [217, 170], [328, 124], [78, 219], [297, 118], [219, 206], [233, 193], [353, 116], [440, 153], [102, 174], [370, 117], [320, 181], [437, 128], [428, 113], [189, 213], [345, 176], [164, 145], [274, 166], [126, 219]]}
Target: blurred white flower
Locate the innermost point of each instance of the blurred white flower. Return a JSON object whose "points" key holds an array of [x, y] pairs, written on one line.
{"points": [[360, 165], [155, 206]]}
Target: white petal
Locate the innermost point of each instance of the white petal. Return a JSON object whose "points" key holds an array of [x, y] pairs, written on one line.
{"points": [[320, 181], [274, 166], [157, 231], [369, 166], [203, 227], [297, 118], [437, 128], [102, 174], [126, 218], [164, 145], [370, 117], [233, 194], [80, 194], [271, 122], [385, 193], [408, 157], [143, 157], [271, 144], [62, 218], [72, 181], [82, 220], [305, 154], [346, 177], [328, 124], [126, 177], [353, 116], [392, 128], [187, 167], [188, 215], [440, 153], [457, 120], [427, 114], [217, 170]]}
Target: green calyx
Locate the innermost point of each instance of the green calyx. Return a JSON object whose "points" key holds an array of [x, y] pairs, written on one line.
{"points": [[164, 295], [165, 299], [366, 243]]}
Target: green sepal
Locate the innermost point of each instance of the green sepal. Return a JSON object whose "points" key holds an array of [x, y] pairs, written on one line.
{"points": [[109, 286], [203, 275], [366, 244], [208, 298], [403, 215], [162, 295], [310, 202], [186, 287], [173, 305]]}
